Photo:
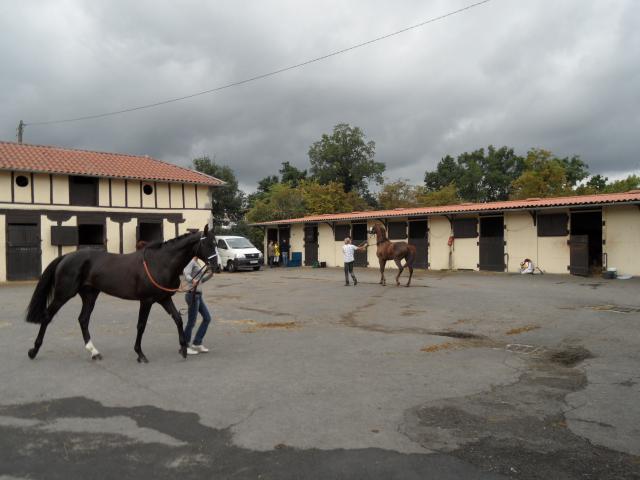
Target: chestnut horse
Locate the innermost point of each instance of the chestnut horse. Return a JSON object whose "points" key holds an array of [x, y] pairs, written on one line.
{"points": [[396, 251]]}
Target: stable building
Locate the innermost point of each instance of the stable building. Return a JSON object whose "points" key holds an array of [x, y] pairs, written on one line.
{"points": [[55, 200], [579, 234]]}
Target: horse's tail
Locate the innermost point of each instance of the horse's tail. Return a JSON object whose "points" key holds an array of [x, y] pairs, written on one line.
{"points": [[37, 309], [411, 255]]}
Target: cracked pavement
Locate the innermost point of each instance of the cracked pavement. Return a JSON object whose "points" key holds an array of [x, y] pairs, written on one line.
{"points": [[452, 378]]}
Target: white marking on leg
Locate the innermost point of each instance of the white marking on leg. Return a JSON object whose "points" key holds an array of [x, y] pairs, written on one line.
{"points": [[91, 348]]}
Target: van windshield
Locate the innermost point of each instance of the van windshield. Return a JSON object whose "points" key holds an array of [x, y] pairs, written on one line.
{"points": [[239, 243]]}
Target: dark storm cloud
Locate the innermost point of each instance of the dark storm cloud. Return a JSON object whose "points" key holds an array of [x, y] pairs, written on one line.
{"points": [[561, 76]]}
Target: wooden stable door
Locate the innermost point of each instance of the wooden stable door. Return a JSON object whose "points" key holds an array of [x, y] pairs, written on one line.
{"points": [[310, 245], [359, 236], [579, 255], [491, 244], [24, 256], [418, 237]]}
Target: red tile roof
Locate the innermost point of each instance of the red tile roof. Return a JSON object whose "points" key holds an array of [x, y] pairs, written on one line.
{"points": [[632, 197], [39, 158]]}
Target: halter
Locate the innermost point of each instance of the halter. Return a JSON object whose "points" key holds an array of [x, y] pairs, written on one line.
{"points": [[199, 274], [379, 242]]}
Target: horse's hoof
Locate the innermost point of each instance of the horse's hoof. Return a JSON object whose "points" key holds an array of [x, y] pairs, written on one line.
{"points": [[97, 356], [32, 353], [142, 359]]}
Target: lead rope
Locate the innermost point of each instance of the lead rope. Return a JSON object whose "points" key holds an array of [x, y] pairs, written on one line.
{"points": [[179, 289]]}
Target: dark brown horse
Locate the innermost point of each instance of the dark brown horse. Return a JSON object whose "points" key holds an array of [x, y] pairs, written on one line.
{"points": [[150, 275], [396, 251]]}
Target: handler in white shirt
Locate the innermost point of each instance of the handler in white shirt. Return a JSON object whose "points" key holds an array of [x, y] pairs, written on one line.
{"points": [[349, 251]]}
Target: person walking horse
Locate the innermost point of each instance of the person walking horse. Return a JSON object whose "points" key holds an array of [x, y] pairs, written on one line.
{"points": [[195, 277], [149, 275], [348, 251]]}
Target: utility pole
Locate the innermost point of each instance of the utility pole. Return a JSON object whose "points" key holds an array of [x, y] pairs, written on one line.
{"points": [[21, 126]]}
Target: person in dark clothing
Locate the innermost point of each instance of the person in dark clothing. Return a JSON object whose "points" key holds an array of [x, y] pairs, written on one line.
{"points": [[284, 251]]}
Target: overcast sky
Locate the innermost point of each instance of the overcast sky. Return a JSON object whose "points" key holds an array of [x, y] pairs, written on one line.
{"points": [[561, 75]]}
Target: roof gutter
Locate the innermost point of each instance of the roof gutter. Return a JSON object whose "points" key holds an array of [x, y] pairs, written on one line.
{"points": [[445, 213], [123, 177]]}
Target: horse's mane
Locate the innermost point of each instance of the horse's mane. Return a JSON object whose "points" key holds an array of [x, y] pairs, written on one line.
{"points": [[157, 244]]}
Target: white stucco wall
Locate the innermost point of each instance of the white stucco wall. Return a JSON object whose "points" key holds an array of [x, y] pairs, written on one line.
{"points": [[522, 239], [622, 235], [3, 242]]}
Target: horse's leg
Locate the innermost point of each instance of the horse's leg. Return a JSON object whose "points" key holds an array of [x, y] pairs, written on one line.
{"points": [[400, 269], [409, 263], [143, 315], [383, 281], [170, 308], [88, 296], [55, 305], [410, 275]]}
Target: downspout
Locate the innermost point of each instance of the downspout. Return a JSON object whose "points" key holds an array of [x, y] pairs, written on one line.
{"points": [[450, 218]]}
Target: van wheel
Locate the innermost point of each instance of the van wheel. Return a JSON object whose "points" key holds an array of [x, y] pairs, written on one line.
{"points": [[231, 267], [255, 269]]}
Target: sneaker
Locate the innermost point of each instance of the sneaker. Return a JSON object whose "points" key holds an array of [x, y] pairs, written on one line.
{"points": [[192, 351], [200, 348], [355, 282]]}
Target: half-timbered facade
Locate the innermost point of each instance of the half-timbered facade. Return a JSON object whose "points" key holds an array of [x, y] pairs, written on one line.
{"points": [[55, 200]]}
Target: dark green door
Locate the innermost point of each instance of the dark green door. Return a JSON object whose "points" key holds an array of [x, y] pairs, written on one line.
{"points": [[24, 256]]}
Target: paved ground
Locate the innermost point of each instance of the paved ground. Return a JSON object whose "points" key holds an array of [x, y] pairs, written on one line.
{"points": [[465, 375]]}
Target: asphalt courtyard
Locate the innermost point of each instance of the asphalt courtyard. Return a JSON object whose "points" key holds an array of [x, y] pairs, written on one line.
{"points": [[463, 375]]}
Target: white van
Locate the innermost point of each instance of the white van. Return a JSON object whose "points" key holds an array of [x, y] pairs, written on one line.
{"points": [[238, 253]]}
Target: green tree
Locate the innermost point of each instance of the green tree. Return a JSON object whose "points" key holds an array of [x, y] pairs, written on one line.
{"points": [[545, 176], [632, 182], [292, 175], [575, 169], [345, 157], [264, 186], [266, 183], [329, 198], [598, 183], [399, 194], [228, 202], [479, 176], [447, 172], [281, 202], [470, 182], [595, 184], [447, 195], [500, 168]]}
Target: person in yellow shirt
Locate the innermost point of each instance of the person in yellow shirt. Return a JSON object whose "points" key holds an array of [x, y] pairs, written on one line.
{"points": [[276, 254]]}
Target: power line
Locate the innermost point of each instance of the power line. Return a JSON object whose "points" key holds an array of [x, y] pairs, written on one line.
{"points": [[264, 75]]}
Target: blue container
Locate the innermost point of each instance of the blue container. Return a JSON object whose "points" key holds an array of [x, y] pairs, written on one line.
{"points": [[295, 260]]}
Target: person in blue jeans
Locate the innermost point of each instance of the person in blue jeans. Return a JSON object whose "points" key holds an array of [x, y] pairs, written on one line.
{"points": [[284, 252], [195, 276]]}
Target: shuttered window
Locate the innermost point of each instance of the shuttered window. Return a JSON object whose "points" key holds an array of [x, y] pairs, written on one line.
{"points": [[64, 236], [342, 231], [397, 230], [465, 227], [83, 191], [553, 225]]}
